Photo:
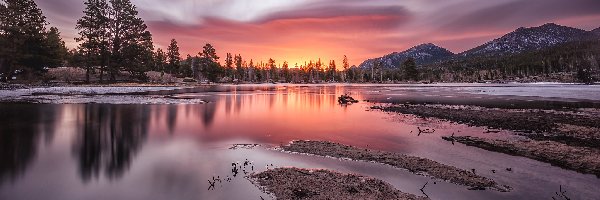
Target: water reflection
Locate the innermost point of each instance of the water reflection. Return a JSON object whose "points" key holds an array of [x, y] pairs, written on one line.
{"points": [[20, 136], [90, 151], [109, 138]]}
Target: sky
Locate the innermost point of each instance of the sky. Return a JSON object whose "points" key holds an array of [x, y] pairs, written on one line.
{"points": [[301, 30]]}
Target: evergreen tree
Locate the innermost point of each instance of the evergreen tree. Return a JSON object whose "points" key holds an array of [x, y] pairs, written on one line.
{"points": [[229, 65], [209, 67], [56, 53], [139, 56], [173, 58], [319, 70], [131, 43], [286, 71], [410, 69], [345, 66], [93, 36], [251, 71], [22, 37], [160, 61], [331, 70], [272, 69], [238, 67], [186, 68]]}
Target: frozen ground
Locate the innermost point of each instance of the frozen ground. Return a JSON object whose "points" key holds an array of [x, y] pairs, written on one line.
{"points": [[550, 90], [107, 95]]}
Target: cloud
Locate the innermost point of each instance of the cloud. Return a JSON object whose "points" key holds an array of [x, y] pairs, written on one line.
{"points": [[308, 29], [519, 13]]}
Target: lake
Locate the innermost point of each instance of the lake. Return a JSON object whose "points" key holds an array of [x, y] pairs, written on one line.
{"points": [[168, 150]]}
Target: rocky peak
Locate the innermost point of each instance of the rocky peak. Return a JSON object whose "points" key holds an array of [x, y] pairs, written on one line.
{"points": [[526, 39]]}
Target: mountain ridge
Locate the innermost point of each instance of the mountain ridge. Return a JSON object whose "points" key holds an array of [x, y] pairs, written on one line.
{"points": [[523, 39], [527, 39], [425, 53]]}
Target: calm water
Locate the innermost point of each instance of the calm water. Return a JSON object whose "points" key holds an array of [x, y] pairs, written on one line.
{"points": [[108, 151]]}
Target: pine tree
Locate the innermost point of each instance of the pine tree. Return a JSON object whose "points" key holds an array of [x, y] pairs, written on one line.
{"points": [[410, 69], [173, 58], [93, 35], [272, 69], [131, 43], [238, 67], [209, 67], [160, 61], [251, 71], [229, 65], [331, 70], [286, 71], [56, 51], [346, 66], [22, 36]]}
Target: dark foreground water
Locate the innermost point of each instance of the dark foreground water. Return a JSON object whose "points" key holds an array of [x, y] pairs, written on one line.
{"points": [[112, 151]]}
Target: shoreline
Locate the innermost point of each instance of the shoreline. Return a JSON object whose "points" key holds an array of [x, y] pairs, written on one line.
{"points": [[296, 183], [567, 138], [5, 85], [416, 165]]}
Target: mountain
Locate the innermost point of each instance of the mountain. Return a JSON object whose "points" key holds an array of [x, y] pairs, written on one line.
{"points": [[423, 54], [527, 39]]}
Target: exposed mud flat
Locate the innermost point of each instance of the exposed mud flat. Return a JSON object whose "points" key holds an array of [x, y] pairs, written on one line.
{"points": [[413, 164], [294, 183], [580, 159], [578, 128]]}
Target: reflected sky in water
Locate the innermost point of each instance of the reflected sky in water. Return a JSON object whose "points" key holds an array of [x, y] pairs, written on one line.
{"points": [[104, 151]]}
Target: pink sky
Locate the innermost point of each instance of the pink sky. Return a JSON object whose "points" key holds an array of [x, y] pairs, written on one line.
{"points": [[303, 30]]}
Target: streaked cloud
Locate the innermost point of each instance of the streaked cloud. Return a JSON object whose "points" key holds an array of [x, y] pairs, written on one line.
{"points": [[298, 30]]}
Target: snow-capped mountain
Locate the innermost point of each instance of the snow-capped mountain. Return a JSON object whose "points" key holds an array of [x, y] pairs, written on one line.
{"points": [[527, 39], [423, 54]]}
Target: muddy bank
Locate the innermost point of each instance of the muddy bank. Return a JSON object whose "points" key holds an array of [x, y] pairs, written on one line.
{"points": [[294, 183], [413, 164], [580, 159], [572, 128]]}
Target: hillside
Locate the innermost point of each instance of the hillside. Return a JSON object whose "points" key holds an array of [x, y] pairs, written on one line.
{"points": [[527, 39], [423, 54]]}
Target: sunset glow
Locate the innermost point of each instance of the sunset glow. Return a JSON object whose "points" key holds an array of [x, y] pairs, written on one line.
{"points": [[300, 31]]}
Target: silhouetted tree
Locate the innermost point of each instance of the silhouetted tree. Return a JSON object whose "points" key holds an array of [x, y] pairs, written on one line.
{"points": [[94, 36], [24, 40], [410, 69], [173, 58], [331, 70], [130, 41], [229, 65], [239, 68], [272, 69], [345, 66], [209, 67], [286, 71], [160, 61]]}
